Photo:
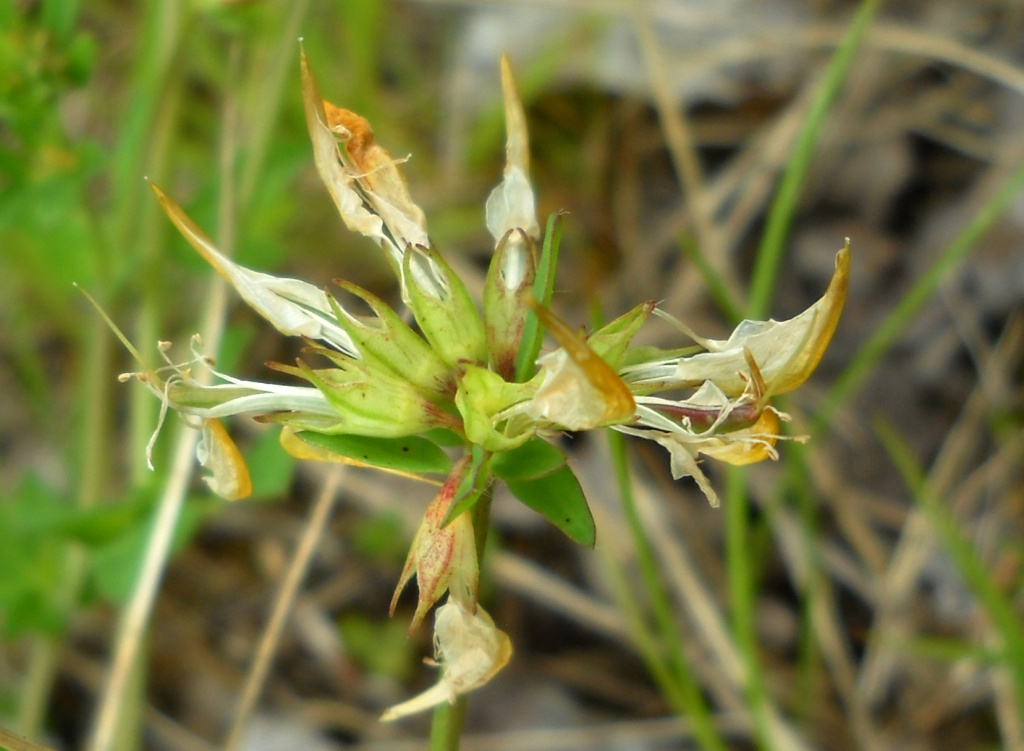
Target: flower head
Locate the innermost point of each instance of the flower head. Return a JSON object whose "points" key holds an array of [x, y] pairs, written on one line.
{"points": [[383, 393], [469, 649]]}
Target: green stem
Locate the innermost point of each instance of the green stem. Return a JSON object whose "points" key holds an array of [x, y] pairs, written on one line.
{"points": [[671, 671], [741, 592], [783, 209], [446, 723]]}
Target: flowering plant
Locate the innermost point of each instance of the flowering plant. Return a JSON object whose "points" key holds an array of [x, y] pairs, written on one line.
{"points": [[464, 396]]}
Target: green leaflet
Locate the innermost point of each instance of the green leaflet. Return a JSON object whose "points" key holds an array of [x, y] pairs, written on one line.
{"points": [[409, 454], [559, 498], [534, 458]]}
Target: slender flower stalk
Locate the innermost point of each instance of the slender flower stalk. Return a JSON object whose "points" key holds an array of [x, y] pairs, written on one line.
{"points": [[379, 393]]}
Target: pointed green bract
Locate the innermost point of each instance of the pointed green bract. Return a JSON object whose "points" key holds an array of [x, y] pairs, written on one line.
{"points": [[473, 485], [505, 306], [483, 395], [371, 401], [543, 286], [388, 340], [611, 340]]}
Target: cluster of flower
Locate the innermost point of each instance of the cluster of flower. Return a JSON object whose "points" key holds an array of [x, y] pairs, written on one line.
{"points": [[473, 376]]}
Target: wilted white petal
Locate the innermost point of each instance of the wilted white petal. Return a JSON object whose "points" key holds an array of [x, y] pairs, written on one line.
{"points": [[339, 179], [470, 650], [785, 352], [683, 457], [566, 397], [511, 205], [294, 307]]}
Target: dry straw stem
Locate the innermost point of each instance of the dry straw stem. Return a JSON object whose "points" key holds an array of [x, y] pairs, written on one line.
{"points": [[283, 604], [134, 620], [710, 625], [917, 543], [682, 148]]}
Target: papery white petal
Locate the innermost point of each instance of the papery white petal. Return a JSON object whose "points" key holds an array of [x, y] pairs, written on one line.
{"points": [[566, 396], [511, 205], [785, 352], [470, 650], [294, 307]]}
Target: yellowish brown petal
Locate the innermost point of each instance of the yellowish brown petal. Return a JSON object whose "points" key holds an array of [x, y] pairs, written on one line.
{"points": [[786, 352], [580, 391], [377, 173], [746, 446], [229, 476]]}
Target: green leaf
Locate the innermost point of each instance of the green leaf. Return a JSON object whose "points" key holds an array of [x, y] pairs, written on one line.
{"points": [[410, 454], [115, 566], [559, 498], [534, 458]]}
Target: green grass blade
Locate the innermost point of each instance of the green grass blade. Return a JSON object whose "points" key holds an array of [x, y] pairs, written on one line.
{"points": [[780, 216], [950, 533], [673, 674], [886, 334]]}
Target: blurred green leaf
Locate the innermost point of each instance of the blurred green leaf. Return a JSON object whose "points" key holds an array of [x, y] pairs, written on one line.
{"points": [[30, 560], [114, 566], [381, 646], [270, 468]]}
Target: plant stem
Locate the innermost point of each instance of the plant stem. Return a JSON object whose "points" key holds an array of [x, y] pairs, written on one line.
{"points": [[675, 678], [446, 724]]}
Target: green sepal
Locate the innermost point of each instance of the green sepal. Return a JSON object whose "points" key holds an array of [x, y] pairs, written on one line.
{"points": [[647, 354], [184, 396], [506, 301], [372, 401], [482, 395], [611, 340], [558, 497], [448, 319], [388, 341], [533, 459], [412, 454]]}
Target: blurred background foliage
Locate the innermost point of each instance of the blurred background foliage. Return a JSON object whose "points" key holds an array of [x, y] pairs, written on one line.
{"points": [[886, 561]]}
